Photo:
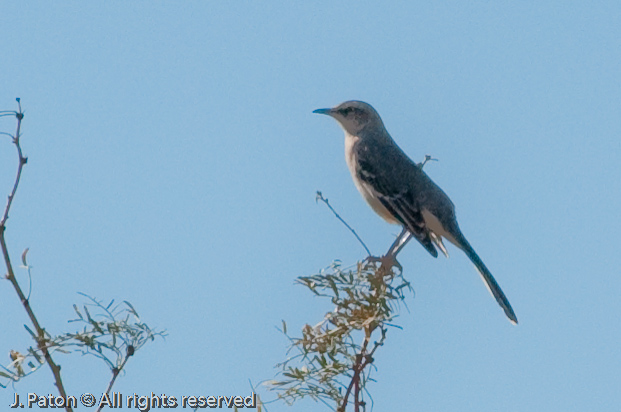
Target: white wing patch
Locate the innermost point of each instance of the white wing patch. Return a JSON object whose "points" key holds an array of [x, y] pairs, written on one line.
{"points": [[437, 240], [437, 230]]}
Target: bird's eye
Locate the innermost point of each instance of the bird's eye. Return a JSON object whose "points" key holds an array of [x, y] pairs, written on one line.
{"points": [[345, 111]]}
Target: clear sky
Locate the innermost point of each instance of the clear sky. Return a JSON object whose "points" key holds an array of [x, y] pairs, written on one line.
{"points": [[174, 159]]}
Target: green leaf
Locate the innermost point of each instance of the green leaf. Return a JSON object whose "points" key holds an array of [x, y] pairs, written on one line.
{"points": [[24, 254], [77, 311], [333, 286]]}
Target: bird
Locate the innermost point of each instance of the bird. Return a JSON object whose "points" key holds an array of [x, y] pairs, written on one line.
{"points": [[399, 191]]}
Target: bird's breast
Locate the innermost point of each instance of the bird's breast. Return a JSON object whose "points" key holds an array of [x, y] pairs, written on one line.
{"points": [[365, 189], [350, 153]]}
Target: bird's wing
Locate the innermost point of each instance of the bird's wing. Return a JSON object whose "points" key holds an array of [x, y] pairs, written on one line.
{"points": [[397, 198]]}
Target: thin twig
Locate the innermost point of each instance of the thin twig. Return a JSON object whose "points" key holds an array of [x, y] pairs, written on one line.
{"points": [[22, 161], [115, 374], [357, 396], [320, 197], [42, 336], [424, 162], [361, 363], [364, 359]]}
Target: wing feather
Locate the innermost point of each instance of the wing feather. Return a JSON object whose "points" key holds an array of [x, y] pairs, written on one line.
{"points": [[400, 203]]}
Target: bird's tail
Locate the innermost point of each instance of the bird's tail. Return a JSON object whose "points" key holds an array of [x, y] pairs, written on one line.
{"points": [[489, 280]]}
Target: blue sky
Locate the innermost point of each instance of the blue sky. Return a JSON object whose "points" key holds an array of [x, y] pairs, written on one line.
{"points": [[174, 160]]}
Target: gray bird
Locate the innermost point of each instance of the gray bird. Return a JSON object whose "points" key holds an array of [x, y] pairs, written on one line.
{"points": [[400, 191]]}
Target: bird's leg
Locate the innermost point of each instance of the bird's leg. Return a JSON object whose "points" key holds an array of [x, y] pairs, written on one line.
{"points": [[390, 258], [399, 243]]}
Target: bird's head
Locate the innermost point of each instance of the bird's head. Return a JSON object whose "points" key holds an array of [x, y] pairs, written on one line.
{"points": [[354, 116]]}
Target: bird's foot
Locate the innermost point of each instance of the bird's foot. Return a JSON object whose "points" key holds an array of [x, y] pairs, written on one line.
{"points": [[387, 262]]}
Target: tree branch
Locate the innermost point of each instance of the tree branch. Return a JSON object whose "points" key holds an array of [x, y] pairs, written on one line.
{"points": [[41, 336], [22, 161], [116, 372], [319, 196]]}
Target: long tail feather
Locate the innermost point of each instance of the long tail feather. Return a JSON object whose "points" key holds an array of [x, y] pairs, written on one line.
{"points": [[490, 282]]}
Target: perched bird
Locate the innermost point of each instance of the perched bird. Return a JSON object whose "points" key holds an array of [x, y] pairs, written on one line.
{"points": [[400, 191]]}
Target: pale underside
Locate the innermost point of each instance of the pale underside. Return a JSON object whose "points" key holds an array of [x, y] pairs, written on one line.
{"points": [[437, 231]]}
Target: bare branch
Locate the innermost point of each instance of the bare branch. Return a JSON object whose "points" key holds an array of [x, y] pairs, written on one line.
{"points": [[115, 374], [361, 362], [427, 159], [41, 336], [319, 196], [22, 161]]}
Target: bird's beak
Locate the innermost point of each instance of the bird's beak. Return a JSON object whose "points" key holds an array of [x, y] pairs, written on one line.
{"points": [[323, 111]]}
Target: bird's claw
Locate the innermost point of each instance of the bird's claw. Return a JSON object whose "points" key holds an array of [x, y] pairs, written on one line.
{"points": [[386, 261]]}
